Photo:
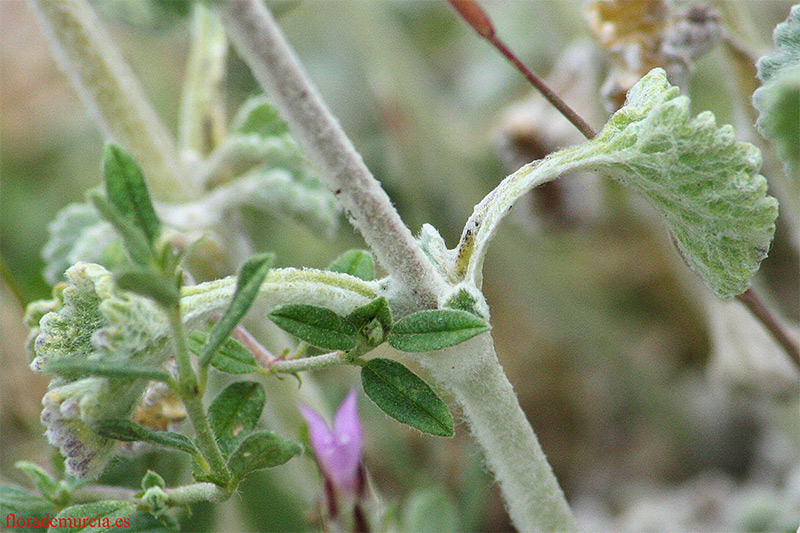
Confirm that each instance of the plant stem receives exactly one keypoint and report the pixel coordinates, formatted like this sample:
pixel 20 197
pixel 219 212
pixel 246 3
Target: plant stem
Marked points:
pixel 259 41
pixel 471 370
pixel 112 93
pixel 472 13
pixel 306 363
pixel 192 399
pixel 201 124
pixel 773 324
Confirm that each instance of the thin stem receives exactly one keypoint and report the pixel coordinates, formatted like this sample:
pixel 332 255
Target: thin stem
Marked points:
pixel 773 324
pixel 472 13
pixel 307 363
pixel 259 41
pixel 192 400
pixel 112 93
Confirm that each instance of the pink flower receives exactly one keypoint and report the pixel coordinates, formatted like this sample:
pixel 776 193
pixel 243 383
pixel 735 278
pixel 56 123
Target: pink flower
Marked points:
pixel 338 449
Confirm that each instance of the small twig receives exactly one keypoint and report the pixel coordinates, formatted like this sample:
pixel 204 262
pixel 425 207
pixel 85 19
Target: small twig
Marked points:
pixel 292 366
pixel 472 13
pixel 777 329
pixel 262 355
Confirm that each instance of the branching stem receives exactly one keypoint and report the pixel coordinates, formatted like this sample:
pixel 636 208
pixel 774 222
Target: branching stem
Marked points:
pixel 258 39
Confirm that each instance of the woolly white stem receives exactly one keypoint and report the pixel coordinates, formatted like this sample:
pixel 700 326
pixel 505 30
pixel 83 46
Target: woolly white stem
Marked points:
pixel 259 41
pixel 112 93
pixel 532 494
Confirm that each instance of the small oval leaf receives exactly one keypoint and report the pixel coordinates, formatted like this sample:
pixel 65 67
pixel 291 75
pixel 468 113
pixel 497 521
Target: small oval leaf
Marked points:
pixel 154 285
pixel 235 412
pixel 405 397
pixel 317 326
pixel 263 449
pixel 434 329
pixel 358 263
pixel 14 500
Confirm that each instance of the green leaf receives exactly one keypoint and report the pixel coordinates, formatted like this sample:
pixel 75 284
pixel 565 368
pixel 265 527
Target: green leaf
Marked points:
pixel 152 479
pixel 358 263
pixel 251 276
pixel 129 431
pixel 136 243
pixel 74 368
pixel 143 522
pixel 317 326
pixel 44 482
pixel 778 100
pixel 231 356
pixel 434 329
pixel 21 503
pixel 373 321
pixel 405 397
pixel 263 449
pixel 160 288
pixel 127 190
pixel 235 412
pixel 699 178
pixel 104 516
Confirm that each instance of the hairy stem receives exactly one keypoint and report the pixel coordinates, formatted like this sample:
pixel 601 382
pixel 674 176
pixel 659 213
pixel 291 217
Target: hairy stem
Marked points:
pixel 259 41
pixel 192 399
pixel 112 93
pixel 471 370
pixel 197 492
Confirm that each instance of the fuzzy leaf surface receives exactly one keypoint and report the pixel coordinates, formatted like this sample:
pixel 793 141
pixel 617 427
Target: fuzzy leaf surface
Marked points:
pixel 699 178
pixel 129 431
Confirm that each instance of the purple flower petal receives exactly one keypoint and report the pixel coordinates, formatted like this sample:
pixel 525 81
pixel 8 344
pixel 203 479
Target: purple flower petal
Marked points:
pixel 338 451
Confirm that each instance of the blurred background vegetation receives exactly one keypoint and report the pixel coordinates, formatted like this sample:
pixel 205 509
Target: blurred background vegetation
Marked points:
pixel 602 330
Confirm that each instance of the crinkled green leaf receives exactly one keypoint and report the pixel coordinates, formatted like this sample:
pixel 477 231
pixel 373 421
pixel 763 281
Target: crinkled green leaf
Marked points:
pixel 263 449
pixel 235 412
pixel 79 234
pixel 91 320
pixel 127 190
pixel 144 522
pixel 96 516
pixel 405 397
pixel 129 431
pixel 231 357
pixel 434 329
pixel 778 100
pixel 358 263
pixel 14 500
pixel 701 180
pixel 251 276
pixel 317 326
